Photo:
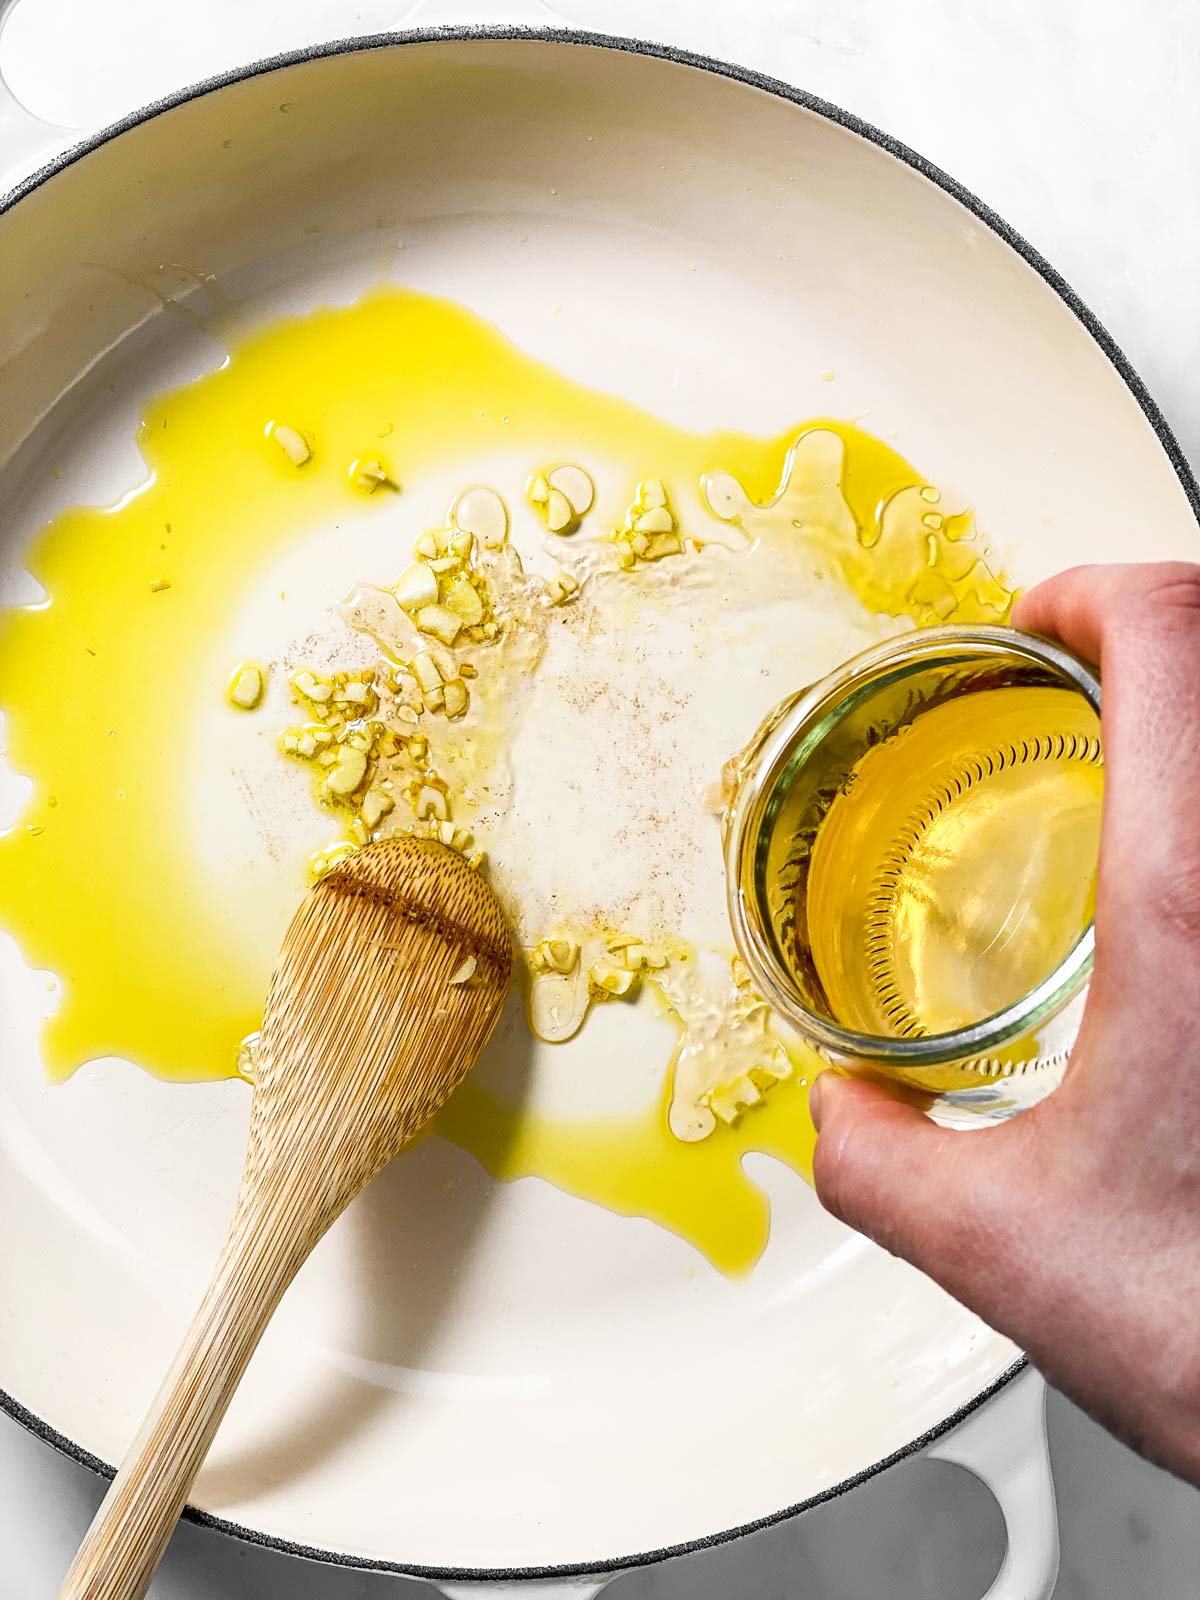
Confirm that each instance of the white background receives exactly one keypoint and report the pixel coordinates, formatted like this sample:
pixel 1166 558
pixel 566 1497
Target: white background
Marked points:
pixel 1079 121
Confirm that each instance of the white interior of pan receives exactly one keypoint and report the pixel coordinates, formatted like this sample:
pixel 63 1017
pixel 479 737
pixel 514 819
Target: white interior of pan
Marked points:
pixel 518 1379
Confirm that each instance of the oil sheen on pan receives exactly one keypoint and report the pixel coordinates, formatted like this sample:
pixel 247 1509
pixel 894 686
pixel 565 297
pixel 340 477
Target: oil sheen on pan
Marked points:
pixel 388 572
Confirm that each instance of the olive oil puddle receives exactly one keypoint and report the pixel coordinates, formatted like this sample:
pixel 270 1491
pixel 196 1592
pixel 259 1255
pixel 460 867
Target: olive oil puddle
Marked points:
pixel 108 688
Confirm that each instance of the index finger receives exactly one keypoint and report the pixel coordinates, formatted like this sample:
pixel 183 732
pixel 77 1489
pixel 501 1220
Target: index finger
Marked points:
pixel 1087 607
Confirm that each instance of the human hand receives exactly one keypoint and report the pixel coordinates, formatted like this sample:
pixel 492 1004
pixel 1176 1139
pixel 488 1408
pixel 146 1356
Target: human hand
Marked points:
pixel 1075 1227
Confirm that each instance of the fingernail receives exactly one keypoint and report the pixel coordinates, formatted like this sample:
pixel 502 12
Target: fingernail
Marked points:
pixel 815 1094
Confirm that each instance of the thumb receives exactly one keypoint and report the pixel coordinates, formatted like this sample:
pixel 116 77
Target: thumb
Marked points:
pixel 946 1200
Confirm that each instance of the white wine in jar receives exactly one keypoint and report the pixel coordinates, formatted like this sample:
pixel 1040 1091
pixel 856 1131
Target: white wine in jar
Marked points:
pixel 956 866
pixel 912 848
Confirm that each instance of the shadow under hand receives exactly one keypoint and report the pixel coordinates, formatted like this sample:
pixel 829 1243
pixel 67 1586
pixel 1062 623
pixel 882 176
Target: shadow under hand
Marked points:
pixel 413 1233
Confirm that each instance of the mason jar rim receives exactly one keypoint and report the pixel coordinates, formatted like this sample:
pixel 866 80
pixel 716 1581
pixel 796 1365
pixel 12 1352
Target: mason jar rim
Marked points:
pixel 950 645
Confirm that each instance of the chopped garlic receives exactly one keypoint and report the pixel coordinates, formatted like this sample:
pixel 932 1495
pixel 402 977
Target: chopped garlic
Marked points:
pixel 560 515
pixel 561 585
pixel 481 511
pixel 729 1100
pixel 246 686
pixel 425 671
pixel 650 530
pixel 348 772
pixel 157 585
pixel 416 586
pixel 664 544
pixel 374 767
pixel 368 475
pixel 607 978
pixel 375 806
pixel 432 802
pixel 575 483
pixel 456 697
pixel 462 598
pixel 311 687
pixel 640 957
pixel 562 954
pixel 443 624
pixel 325 860
pixel 657 520
pixel 293 443
pixel 556 955
pixel 466 971
pixel 562 495
pixel 247 1056
pixel 354 692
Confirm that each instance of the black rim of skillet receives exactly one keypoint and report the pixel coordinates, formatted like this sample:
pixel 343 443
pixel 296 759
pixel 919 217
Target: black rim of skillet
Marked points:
pixel 1053 279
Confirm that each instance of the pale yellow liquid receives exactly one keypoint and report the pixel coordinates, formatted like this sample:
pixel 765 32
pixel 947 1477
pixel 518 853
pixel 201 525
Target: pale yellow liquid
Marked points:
pixel 957 869
pixel 101 686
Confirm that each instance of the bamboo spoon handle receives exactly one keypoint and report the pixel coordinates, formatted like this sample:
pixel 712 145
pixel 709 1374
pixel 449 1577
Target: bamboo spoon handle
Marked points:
pixel 390 978
pixel 126 1541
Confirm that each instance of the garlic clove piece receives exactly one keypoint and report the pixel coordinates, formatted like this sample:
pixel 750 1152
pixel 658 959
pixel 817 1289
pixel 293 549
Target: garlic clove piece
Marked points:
pixel 481 511
pixel 292 442
pixel 576 484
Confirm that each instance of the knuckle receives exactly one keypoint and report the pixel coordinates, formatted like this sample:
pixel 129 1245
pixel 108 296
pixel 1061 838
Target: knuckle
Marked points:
pixel 1173 896
pixel 1167 591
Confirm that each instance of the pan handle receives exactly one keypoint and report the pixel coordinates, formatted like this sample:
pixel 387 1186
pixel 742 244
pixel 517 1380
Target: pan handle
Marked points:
pixel 448 13
pixel 25 140
pixel 1004 1444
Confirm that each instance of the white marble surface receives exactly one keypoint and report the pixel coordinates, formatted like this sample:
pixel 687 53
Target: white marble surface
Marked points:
pixel 1078 121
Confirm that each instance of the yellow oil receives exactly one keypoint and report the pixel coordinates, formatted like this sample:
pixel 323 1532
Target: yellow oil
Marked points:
pixel 101 688
pixel 957 867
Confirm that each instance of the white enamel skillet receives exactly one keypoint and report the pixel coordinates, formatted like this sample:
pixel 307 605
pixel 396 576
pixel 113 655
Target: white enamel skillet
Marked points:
pixel 598 1400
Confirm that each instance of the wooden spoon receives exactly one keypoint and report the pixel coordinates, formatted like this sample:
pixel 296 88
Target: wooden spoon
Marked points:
pixel 391 977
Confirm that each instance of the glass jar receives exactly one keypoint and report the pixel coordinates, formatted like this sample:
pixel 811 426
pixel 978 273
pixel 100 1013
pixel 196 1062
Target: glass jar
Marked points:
pixel 910 849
